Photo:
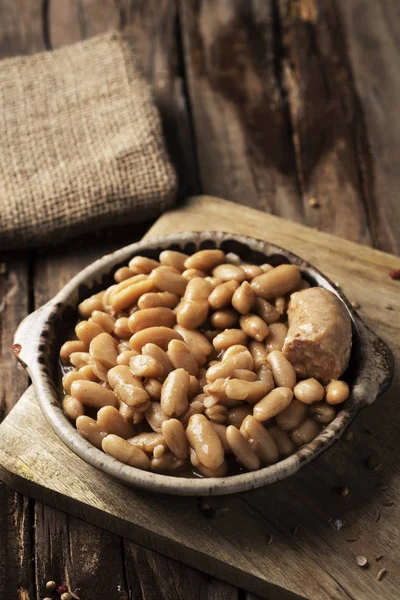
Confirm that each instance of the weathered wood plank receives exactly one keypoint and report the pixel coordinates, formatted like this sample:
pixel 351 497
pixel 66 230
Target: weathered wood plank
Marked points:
pixel 373 43
pixel 326 118
pixel 240 116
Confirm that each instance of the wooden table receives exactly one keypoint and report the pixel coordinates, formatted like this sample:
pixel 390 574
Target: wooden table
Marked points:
pixel 288 106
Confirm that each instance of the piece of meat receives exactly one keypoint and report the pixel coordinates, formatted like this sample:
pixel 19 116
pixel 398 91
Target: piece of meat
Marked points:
pixel 318 342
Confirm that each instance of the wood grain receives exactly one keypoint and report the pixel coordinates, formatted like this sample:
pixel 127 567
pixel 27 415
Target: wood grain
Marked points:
pixel 315 538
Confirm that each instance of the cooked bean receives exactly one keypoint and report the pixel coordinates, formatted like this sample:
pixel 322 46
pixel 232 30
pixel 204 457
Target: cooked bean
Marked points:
pixel 229 337
pixel 214 281
pixel 264 373
pixel 276 337
pixel 193 310
pixel 250 391
pixel 205 441
pixel 245 375
pixel 196 407
pixel 79 359
pixel 159 355
pixel 166 280
pixel 337 391
pixel 205 260
pixel 305 433
pixel 243 298
pixel 221 431
pixel 142 264
pixel 88 373
pixel 125 345
pixel 121 328
pixel 228 272
pixel 90 430
pixel 111 421
pixel 175 437
pixel 99 369
pixel 147 441
pixel 197 342
pixel 151 317
pixel 194 387
pixel 107 295
pixel 174 393
pixel 105 349
pixel 221 296
pixel 283 372
pixel 259 353
pixel 266 311
pixel 254 327
pixel 127 387
pixel 266 267
pixel 302 285
pixel 86 331
pixel 69 378
pixel 322 412
pixel 106 321
pixel 93 394
pixel 123 273
pixel 224 318
pixel 125 452
pixel 235 357
pixel 181 357
pixel 251 271
pixel 71 347
pixel 155 416
pixel 161 336
pixel 309 391
pixel 272 404
pixel 277 282
pixel 292 416
pixel 282 440
pixel 146 366
pixel 172 258
pixel 192 273
pixel 127 412
pixel 211 400
pixel 130 294
pixel 237 415
pixel 125 356
pixel 242 449
pixel 280 305
pixel 261 441
pixel 233 259
pixel 216 413
pixel 220 471
pixel 72 408
pixel 153 388
pixel 158 299
pixel 86 307
pixel 166 462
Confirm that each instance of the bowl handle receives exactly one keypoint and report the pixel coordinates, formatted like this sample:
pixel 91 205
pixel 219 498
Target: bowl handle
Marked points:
pixel 28 335
pixel 377 366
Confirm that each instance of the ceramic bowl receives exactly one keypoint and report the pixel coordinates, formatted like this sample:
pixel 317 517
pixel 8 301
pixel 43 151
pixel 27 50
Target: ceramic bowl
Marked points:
pixel 40 336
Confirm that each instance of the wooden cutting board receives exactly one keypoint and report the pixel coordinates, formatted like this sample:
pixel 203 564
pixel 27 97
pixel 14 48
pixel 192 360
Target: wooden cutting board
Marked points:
pixel 296 538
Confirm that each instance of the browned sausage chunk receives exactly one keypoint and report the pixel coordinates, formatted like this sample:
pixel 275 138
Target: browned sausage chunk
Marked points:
pixel 318 341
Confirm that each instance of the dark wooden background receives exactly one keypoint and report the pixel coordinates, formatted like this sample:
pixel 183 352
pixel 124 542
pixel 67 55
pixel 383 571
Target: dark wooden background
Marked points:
pixel 276 104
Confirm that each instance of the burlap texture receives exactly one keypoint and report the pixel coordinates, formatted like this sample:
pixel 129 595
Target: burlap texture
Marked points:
pixel 81 143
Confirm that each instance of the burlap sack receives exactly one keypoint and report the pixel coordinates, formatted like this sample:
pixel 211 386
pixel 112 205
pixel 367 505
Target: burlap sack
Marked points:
pixel 80 143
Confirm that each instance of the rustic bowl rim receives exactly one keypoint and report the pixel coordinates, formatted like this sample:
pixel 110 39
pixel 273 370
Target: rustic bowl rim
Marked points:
pixel 31 346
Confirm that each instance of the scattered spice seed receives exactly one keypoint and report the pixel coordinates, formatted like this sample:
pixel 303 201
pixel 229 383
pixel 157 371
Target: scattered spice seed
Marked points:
pixel 341 490
pixel 349 436
pixel 47 598
pixel 51 586
pixel 337 524
pixel 66 596
pixel 361 561
pixel 356 304
pixel 381 574
pixel 207 510
pixel 377 515
pixel 382 488
pixel 388 503
pixel 352 539
pixel 395 274
pixel 378 557
pixel 378 467
pixel 389 307
pixel 295 531
pixel 270 539
pixel 314 203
